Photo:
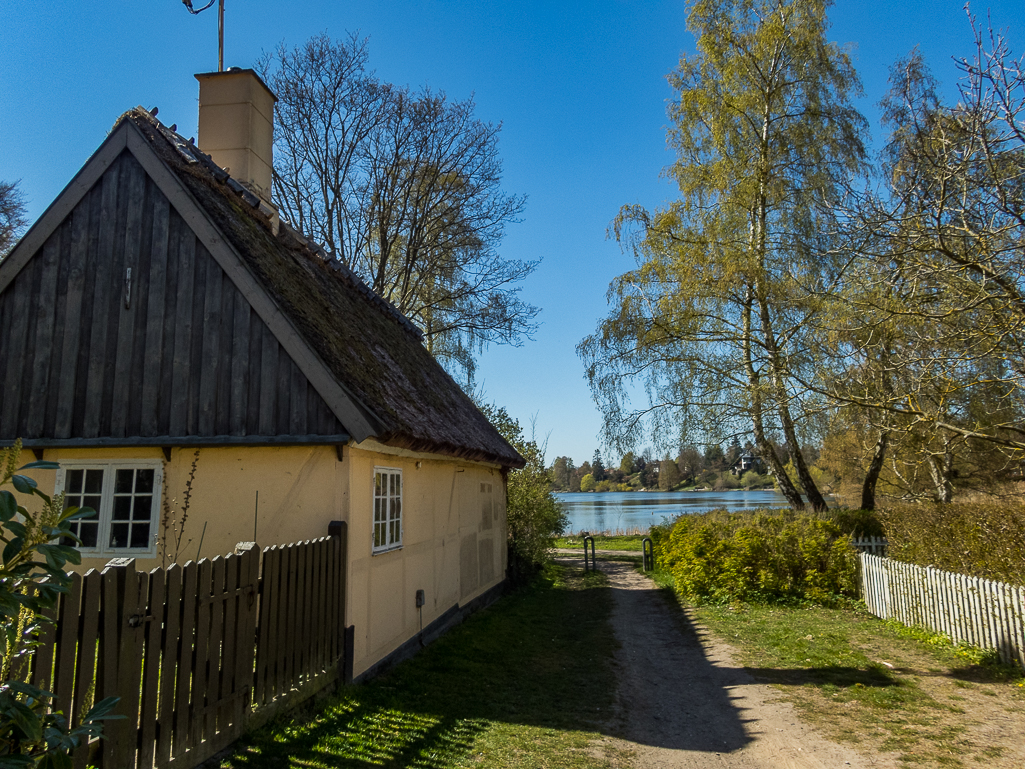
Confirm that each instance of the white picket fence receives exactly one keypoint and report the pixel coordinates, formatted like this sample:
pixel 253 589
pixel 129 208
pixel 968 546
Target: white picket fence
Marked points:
pixel 980 612
pixel 873 545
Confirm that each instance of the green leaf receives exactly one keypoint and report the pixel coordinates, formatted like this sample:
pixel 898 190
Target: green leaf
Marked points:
pixel 101 710
pixel 13 548
pixel 28 721
pixel 23 483
pixel 8 506
pixel 40 465
pixel 56 760
pixel 77 512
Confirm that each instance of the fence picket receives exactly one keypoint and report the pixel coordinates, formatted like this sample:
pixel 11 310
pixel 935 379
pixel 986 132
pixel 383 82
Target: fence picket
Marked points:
pixel 67 639
pixel 267 636
pixel 169 663
pixel 218 604
pixel 88 630
pixel 972 610
pixel 227 718
pixel 148 713
pixel 186 696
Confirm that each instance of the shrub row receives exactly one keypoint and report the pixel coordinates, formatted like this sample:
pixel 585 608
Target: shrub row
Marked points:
pixel 776 556
pixel 979 539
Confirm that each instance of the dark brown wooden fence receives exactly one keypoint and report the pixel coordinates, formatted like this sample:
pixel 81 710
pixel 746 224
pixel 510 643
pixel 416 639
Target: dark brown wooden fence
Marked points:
pixel 197 653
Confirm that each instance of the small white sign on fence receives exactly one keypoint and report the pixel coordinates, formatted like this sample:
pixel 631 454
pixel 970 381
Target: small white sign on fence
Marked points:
pixel 980 612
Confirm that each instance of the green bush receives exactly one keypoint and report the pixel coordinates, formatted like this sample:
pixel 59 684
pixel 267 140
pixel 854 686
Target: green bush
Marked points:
pixel 759 557
pixel 979 539
pixel 533 514
pixel 857 523
pixel 32 577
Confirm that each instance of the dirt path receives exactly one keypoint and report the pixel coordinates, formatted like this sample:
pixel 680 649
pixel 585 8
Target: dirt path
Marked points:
pixel 682 702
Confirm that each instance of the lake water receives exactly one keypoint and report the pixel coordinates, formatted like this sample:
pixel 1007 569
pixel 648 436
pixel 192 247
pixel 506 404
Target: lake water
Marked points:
pixel 610 511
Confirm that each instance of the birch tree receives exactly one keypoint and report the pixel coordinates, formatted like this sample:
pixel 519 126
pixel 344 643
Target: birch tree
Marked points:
pixel 712 321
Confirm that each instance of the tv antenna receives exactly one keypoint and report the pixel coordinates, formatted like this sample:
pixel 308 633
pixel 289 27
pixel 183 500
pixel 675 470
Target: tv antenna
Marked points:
pixel 220 26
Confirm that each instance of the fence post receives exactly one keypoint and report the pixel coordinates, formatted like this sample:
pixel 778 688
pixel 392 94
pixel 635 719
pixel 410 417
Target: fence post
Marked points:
pixel 346 635
pixel 245 651
pixel 121 657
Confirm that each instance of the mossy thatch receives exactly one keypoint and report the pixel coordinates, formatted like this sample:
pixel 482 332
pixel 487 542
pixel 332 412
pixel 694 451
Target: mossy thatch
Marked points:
pixel 374 353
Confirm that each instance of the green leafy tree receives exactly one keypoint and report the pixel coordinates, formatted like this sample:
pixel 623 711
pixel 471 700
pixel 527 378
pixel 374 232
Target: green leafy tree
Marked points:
pixel 534 516
pixel 32 577
pixel 626 465
pixel 930 318
pixel 668 475
pixel 717 312
pixel 562 473
pixel 588 483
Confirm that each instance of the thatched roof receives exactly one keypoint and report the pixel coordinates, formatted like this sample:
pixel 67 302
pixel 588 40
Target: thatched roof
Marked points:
pixel 376 355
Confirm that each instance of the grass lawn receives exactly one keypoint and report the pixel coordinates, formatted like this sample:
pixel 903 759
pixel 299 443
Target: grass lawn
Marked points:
pixel 524 683
pixel 866 681
pixel 603 542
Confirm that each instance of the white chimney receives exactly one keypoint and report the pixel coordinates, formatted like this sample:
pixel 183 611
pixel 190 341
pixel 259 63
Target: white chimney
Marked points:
pixel 236 126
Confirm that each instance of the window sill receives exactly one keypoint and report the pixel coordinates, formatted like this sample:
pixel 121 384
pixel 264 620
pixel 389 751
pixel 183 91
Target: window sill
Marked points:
pixel 385 550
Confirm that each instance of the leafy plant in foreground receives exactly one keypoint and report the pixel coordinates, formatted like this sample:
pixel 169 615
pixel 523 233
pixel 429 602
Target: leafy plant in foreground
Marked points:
pixel 32 577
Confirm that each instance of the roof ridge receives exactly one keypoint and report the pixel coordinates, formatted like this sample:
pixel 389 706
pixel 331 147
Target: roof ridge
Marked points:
pixel 193 155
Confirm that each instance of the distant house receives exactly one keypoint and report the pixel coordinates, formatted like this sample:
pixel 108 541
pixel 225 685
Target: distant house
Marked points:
pixel 747 461
pixel 159 306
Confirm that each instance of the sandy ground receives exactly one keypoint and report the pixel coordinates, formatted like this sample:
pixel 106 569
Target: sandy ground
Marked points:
pixel 682 702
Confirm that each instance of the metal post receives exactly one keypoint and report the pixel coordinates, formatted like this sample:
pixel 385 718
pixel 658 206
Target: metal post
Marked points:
pixel 594 563
pixel 647 554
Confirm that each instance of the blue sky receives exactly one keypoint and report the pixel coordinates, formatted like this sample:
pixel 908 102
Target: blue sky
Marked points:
pixel 579 88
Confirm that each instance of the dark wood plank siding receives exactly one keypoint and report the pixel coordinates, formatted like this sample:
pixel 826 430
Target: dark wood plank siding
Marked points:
pixel 184 356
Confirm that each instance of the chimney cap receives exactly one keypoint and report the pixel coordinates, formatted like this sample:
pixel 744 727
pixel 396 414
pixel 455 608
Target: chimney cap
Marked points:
pixel 235 72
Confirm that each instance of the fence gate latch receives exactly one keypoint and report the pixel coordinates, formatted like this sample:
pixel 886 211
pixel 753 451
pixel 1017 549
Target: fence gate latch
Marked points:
pixel 137 619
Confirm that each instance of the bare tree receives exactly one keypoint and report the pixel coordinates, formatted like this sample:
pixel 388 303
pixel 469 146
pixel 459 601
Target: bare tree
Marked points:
pixel 12 216
pixel 405 189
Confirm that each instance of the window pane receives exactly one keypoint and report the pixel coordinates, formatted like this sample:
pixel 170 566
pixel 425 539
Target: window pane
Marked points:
pixel 93 502
pixel 122 508
pixel 142 508
pixel 88 532
pixel 73 482
pixel 94 481
pixel 394 484
pixel 123 481
pixel 119 535
pixel 377 484
pixel 396 509
pixel 144 481
pixel 140 535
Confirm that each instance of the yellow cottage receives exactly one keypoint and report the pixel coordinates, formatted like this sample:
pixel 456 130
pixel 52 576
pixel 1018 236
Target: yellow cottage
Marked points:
pixel 159 307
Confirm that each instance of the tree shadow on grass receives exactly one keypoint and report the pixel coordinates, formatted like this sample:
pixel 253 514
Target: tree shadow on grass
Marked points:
pixel 545 662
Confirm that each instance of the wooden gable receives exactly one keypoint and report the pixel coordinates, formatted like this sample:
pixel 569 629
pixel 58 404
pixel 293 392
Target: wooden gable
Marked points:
pixel 118 326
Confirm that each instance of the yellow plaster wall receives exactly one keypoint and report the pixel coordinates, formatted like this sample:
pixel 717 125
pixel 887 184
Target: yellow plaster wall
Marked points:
pixel 301 490
pixel 452 530
pixel 442 523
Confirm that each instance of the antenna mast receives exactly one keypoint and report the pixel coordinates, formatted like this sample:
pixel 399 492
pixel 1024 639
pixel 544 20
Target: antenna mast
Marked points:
pixel 220 26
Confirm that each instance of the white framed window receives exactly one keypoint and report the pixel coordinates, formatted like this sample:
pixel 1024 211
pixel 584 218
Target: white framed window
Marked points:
pixel 387 509
pixel 126 497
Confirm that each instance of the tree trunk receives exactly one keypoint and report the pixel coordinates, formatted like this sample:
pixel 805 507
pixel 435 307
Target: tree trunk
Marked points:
pixel 765 449
pixel 868 488
pixel 941 467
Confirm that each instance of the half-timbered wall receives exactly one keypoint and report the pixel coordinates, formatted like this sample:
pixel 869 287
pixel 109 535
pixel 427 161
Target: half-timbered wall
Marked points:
pixel 123 326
